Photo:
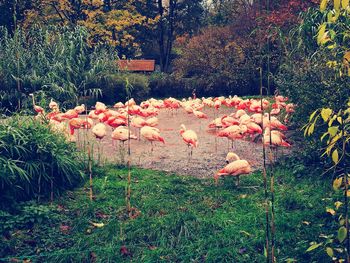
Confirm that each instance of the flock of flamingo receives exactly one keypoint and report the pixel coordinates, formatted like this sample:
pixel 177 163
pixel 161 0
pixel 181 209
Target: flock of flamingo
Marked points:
pixel 250 118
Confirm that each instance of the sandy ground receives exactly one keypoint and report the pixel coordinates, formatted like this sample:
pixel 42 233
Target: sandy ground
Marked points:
pixel 173 156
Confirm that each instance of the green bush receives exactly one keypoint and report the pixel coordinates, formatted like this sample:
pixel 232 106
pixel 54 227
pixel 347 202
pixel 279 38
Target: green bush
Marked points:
pixel 307 80
pixel 113 87
pixel 165 85
pixel 32 157
pixel 52 63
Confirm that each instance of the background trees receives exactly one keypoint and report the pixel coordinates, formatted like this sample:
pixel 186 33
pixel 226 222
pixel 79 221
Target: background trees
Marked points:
pixel 235 37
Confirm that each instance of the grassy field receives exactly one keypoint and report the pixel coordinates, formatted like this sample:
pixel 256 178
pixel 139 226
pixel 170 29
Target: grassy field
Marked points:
pixel 182 219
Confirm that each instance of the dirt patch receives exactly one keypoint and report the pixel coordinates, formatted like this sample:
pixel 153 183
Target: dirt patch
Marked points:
pixel 173 156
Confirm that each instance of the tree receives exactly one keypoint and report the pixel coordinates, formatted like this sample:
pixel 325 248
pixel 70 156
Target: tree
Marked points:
pixel 115 24
pixel 176 17
pixel 218 58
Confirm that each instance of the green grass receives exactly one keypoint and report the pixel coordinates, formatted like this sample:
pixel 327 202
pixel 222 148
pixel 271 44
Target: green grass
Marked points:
pixel 182 219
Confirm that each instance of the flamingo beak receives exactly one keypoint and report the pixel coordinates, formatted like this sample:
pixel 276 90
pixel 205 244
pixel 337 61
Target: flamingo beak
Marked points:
pixel 227 161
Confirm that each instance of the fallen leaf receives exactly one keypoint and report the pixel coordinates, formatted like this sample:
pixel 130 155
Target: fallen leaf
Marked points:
pixel 242 250
pixel 331 211
pixel 337 204
pixel 101 215
pixel 314 246
pixel 64 228
pixel 124 251
pixel 93 257
pixel 306 223
pixel 98 225
pixel 152 247
pixel 14 260
pixel 245 232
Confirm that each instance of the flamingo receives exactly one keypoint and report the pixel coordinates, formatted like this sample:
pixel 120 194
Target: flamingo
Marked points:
pixel 100 107
pixel 189 137
pixel 37 108
pixel 70 114
pixel 228 121
pixel 138 123
pixel 53 105
pixel 232 133
pixel 152 122
pixel 80 109
pixel 277 138
pixel 122 134
pixel 75 124
pixel 151 134
pixel 118 105
pixel 235 168
pixel 200 115
pixel 230 157
pixel 99 130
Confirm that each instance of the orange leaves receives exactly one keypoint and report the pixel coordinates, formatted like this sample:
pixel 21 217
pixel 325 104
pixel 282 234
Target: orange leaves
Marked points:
pixel 117 25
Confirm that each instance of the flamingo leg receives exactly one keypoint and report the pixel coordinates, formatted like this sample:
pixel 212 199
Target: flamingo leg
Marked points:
pixel 151 146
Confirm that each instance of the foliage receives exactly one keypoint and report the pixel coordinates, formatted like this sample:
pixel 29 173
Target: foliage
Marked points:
pixel 25 215
pixel 182 219
pixel 304 75
pixel 113 87
pixel 332 36
pixel 53 63
pixel 218 58
pixel 34 160
pixel 164 85
pixel 338 150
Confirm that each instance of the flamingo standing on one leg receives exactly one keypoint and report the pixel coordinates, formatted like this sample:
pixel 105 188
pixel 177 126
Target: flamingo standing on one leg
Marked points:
pixel 122 134
pixel 190 138
pixel 100 131
pixel 138 123
pixel 151 134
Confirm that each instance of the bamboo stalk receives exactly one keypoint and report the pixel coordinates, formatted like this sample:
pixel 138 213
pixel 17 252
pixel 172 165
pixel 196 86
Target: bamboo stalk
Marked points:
pixel 51 183
pixel 128 193
pixel 90 172
pixel 267 221
pixel 346 199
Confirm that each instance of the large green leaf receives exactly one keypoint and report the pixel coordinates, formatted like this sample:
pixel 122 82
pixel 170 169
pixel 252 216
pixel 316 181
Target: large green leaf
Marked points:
pixel 342 234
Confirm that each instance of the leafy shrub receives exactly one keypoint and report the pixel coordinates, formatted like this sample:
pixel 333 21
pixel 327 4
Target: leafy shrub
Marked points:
pixel 164 85
pixel 218 61
pixel 32 157
pixel 308 81
pixel 113 87
pixel 306 75
pixel 25 214
pixel 52 63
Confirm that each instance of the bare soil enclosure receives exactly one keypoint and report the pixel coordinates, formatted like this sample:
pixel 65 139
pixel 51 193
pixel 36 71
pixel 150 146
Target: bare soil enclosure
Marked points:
pixel 173 156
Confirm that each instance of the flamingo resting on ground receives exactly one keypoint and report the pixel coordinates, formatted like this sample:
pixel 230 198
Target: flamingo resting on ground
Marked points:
pixel 235 168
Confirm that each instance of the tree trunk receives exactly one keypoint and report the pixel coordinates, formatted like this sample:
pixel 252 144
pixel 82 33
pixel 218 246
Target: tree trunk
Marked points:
pixel 169 46
pixel 161 35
